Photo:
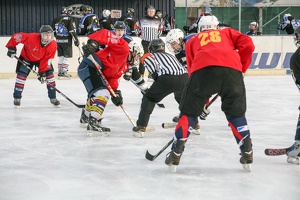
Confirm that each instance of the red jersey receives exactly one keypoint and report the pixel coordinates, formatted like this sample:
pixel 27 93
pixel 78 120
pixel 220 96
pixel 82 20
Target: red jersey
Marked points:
pixel 225 47
pixel 113 56
pixel 33 50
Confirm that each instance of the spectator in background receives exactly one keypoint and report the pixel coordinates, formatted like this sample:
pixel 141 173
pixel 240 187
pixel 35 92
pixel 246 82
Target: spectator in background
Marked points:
pixel 106 22
pixel 253 29
pixel 89 23
pixel 165 23
pixel 289 24
pixel 207 11
pixel 129 21
pixel 64 31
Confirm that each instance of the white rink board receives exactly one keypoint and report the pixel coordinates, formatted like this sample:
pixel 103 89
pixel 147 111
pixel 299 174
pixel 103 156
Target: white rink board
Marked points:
pixel 271 52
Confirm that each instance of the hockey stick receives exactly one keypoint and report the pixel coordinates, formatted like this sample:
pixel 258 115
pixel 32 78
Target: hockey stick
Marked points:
pixel 161 105
pixel 109 87
pixel 278 152
pixel 77 105
pixel 173 124
pixel 152 157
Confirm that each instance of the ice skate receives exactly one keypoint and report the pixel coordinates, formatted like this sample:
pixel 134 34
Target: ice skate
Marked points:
pixel 83 119
pixel 17 102
pixel 294 154
pixel 55 102
pixel 246 154
pixel 94 126
pixel 196 130
pixel 63 74
pixel 173 157
pixel 139 131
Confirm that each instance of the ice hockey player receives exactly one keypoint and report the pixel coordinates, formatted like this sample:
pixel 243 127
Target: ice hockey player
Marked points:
pixel 209 76
pixel 64 32
pixel 89 23
pixel 106 22
pixel 113 62
pixel 129 21
pixel 207 11
pixel 294 154
pixel 135 54
pixel 169 78
pixel 289 24
pixel 38 51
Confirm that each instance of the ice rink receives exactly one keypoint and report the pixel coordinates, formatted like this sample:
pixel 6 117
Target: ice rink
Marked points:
pixel 46 155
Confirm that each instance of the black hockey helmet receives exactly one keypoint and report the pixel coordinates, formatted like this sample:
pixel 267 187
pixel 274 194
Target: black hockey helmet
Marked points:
pixel 85 8
pixel 64 10
pixel 157 45
pixel 45 32
pixel 119 25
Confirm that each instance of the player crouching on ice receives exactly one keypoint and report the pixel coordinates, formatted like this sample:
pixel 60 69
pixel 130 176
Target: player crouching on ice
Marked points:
pixel 210 75
pixel 38 51
pixel 294 154
pixel 113 62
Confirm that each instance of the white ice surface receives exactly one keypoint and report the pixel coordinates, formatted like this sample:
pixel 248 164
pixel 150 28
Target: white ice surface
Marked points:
pixel 46 155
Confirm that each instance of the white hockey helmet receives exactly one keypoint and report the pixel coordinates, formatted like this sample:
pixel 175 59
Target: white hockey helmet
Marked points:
pixel 106 13
pixel 207 23
pixel 136 52
pixel 134 46
pixel 172 40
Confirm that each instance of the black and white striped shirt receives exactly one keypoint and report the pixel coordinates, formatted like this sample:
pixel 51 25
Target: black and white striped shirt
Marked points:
pixel 149 28
pixel 162 64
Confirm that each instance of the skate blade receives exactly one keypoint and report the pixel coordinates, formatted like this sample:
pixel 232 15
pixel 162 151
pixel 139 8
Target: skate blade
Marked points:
pixel 293 160
pixel 172 168
pixel 247 167
pixel 138 134
pixel 91 133
pixel 58 106
pixel 16 107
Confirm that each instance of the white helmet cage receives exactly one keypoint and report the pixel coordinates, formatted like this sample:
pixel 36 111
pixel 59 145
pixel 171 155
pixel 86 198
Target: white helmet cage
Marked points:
pixel 136 50
pixel 173 36
pixel 207 23
pixel 106 13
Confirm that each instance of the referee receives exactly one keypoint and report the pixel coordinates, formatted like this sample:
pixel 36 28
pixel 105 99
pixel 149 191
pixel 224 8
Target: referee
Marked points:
pixel 148 28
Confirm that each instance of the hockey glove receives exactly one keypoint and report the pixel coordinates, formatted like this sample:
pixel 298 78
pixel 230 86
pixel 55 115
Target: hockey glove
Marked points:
pixel 12 52
pixel 42 77
pixel 127 75
pixel 118 100
pixel 91 47
pixel 204 113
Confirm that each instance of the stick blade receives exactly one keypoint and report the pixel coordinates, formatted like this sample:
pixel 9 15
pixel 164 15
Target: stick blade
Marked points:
pixel 149 156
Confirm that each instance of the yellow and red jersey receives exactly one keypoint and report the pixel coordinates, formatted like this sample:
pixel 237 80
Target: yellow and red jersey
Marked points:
pixel 225 47
pixel 32 50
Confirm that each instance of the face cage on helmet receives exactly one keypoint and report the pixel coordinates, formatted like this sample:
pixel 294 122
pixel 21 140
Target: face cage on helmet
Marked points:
pixel 169 46
pixel 44 41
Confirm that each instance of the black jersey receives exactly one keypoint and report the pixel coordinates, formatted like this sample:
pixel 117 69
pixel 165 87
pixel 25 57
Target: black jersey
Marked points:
pixel 88 24
pixel 64 29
